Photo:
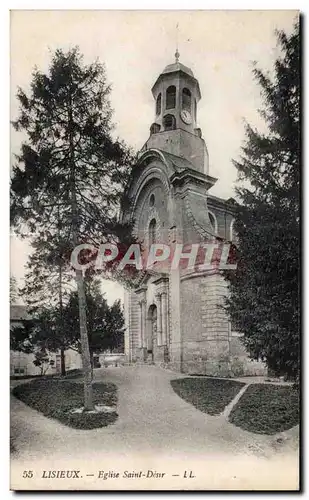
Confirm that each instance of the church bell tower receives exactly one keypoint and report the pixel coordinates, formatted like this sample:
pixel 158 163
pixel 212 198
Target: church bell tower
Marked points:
pixel 176 94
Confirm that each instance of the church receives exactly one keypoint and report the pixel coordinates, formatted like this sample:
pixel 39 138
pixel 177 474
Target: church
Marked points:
pixel 174 317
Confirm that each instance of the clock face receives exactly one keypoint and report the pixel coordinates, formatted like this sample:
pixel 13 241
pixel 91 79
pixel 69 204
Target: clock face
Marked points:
pixel 186 116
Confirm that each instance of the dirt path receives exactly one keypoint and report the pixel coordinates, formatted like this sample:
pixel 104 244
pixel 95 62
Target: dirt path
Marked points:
pixel 153 421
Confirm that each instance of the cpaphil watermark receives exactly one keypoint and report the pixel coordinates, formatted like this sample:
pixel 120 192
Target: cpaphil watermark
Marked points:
pixel 159 256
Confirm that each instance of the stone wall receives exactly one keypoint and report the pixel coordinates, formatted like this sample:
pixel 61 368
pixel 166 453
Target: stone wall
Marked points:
pixel 183 144
pixel 174 323
pixel 207 345
pixel 241 364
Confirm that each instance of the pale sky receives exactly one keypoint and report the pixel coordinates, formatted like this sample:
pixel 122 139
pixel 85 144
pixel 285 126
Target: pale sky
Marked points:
pixel 219 47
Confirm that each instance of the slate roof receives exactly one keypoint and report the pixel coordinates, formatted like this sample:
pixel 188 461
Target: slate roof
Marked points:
pixel 177 66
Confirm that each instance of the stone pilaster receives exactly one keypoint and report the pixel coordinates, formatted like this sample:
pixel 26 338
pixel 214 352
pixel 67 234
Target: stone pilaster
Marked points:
pixel 164 318
pixel 141 319
pixel 142 323
pixel 159 319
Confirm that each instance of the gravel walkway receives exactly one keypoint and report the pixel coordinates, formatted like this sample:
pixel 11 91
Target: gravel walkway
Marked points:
pixel 153 421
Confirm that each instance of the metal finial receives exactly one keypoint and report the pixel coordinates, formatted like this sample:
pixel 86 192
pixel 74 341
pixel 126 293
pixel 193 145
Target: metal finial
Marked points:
pixel 177 55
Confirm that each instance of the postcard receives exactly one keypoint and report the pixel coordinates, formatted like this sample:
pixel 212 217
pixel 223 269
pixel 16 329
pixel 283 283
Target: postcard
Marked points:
pixel 154 281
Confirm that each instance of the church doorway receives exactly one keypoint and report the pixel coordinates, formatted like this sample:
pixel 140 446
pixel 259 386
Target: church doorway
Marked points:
pixel 151 331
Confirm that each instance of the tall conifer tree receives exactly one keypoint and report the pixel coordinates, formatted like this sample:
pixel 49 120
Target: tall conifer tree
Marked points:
pixel 264 291
pixel 70 170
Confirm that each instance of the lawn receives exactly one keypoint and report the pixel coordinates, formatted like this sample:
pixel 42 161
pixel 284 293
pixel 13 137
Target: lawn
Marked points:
pixel 267 409
pixel 55 399
pixel 69 374
pixel 209 395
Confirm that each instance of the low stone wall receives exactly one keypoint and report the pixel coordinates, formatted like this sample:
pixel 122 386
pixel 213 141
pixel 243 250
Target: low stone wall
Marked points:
pixel 241 364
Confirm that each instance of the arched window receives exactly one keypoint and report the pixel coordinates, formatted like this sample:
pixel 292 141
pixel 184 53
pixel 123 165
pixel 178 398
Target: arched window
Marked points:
pixel 158 104
pixel 152 231
pixel 152 200
pixel 194 110
pixel 155 128
pixel 171 97
pixel 169 122
pixel 213 221
pixel 186 99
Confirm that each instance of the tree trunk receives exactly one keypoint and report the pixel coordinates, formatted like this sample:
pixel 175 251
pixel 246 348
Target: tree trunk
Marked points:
pixel 84 342
pixel 62 355
pixel 62 362
pixel 91 360
pixel 85 353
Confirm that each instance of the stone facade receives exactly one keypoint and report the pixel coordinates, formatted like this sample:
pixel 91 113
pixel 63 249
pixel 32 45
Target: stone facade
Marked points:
pixel 175 316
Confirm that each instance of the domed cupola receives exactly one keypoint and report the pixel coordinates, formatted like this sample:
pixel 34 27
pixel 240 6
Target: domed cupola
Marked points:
pixel 176 93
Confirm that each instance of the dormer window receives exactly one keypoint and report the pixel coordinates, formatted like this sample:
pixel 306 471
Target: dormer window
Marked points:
pixel 171 97
pixel 186 99
pixel 169 122
pixel 158 104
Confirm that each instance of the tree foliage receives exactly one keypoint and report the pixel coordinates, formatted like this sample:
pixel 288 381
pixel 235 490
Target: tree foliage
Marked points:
pixel 264 291
pixel 68 111
pixel 48 282
pixel 20 337
pixel 105 323
pixel 42 360
pixel 13 290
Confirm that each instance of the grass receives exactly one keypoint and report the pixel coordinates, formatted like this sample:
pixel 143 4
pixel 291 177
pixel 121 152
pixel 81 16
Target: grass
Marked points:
pixel 208 395
pixel 267 409
pixel 55 399
pixel 75 373
pixel 69 374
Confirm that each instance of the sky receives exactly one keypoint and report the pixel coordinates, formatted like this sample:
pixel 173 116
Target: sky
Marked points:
pixel 219 46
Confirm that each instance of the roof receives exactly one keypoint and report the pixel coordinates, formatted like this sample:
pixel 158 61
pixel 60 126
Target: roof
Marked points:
pixel 177 66
pixel 174 68
pixel 18 313
pixel 178 162
pixel 228 205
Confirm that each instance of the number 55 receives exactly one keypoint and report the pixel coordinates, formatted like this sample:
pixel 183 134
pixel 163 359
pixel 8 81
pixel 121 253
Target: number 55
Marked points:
pixel 27 474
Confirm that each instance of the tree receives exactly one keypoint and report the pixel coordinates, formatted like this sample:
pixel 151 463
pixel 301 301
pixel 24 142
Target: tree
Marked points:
pixel 43 361
pixel 264 291
pixel 21 337
pixel 105 324
pixel 70 170
pixel 48 282
pixel 49 334
pixel 13 290
pixel 115 327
